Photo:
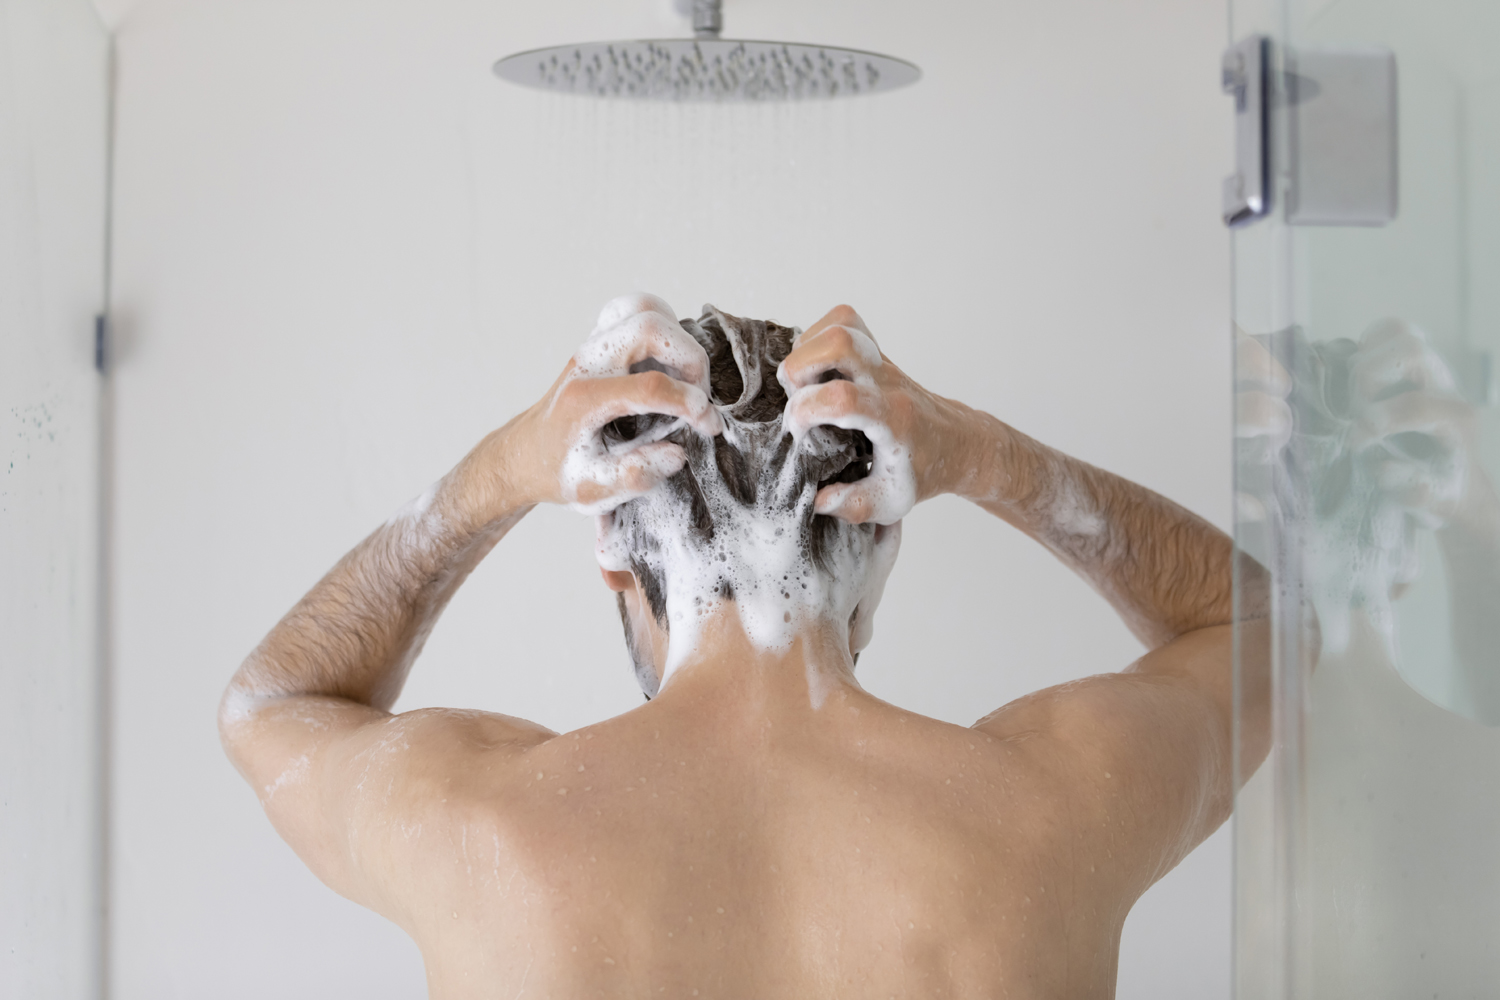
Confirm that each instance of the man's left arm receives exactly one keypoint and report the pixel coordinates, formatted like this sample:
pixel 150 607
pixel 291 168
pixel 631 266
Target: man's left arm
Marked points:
pixel 1152 740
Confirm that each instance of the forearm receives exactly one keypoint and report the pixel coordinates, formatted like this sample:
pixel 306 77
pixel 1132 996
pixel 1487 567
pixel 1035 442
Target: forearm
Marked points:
pixel 356 634
pixel 1165 570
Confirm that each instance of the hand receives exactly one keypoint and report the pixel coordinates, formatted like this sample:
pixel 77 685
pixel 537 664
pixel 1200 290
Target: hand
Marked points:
pixel 1413 427
pixel 836 376
pixel 638 361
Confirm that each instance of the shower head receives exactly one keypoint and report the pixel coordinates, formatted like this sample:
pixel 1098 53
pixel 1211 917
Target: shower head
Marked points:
pixel 706 68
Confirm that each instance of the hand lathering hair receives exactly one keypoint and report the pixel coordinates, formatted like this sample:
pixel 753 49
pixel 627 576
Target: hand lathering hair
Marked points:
pixel 753 468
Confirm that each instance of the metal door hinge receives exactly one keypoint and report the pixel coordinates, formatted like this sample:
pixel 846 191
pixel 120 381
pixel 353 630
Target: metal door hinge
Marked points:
pixel 1341 106
pixel 1247 194
pixel 101 344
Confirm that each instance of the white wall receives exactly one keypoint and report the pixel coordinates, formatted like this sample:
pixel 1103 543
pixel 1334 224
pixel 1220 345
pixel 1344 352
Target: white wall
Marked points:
pixel 344 252
pixel 54 103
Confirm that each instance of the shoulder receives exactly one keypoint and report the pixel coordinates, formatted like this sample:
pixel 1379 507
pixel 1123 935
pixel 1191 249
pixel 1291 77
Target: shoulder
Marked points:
pixel 432 761
pixel 358 793
pixel 1139 762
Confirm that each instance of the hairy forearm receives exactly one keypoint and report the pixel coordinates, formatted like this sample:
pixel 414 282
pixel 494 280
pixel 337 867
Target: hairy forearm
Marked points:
pixel 1165 570
pixel 358 631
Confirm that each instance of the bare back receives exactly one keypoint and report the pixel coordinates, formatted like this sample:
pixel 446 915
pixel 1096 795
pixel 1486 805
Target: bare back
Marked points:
pixel 859 850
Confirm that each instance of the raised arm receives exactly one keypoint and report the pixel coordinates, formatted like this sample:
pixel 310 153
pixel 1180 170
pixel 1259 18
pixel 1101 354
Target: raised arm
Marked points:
pixel 306 718
pixel 1150 745
pixel 1165 570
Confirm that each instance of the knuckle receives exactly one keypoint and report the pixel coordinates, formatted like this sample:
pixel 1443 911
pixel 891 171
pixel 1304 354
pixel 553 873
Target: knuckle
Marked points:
pixel 841 395
pixel 839 339
pixel 574 391
pixel 657 384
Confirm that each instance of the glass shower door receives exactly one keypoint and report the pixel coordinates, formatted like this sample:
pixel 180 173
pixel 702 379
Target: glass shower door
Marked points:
pixel 1367 319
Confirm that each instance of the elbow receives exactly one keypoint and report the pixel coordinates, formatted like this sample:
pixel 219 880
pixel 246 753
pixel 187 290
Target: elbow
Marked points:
pixel 236 720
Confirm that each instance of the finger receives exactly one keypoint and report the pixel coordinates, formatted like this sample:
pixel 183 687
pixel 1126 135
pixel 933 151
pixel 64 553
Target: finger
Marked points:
pixel 840 315
pixel 1255 367
pixel 1441 417
pixel 606 399
pixel 1396 359
pixel 848 351
pixel 845 502
pixel 1248 507
pixel 642 469
pixel 883 497
pixel 1420 490
pixel 835 404
pixel 618 310
pixel 1391 330
pixel 1261 414
pixel 607 483
pixel 640 339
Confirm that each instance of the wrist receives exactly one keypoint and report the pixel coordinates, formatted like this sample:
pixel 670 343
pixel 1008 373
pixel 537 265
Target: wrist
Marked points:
pixel 487 487
pixel 982 466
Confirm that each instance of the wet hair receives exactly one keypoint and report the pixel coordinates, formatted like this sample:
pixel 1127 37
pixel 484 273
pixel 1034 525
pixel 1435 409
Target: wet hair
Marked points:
pixel 754 461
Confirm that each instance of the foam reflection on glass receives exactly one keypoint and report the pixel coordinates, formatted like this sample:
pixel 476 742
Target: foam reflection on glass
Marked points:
pixel 1367 445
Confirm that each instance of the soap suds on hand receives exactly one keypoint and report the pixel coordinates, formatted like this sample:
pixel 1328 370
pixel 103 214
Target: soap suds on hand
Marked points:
pixel 751 537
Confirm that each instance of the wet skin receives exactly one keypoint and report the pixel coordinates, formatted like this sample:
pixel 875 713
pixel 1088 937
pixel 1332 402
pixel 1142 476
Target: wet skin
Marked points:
pixel 730 839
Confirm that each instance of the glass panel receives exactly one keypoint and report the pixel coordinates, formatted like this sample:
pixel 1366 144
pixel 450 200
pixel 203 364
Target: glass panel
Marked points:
pixel 1369 442
pixel 54 59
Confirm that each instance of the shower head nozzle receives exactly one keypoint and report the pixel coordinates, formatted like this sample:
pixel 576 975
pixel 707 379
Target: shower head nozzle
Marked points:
pixel 706 68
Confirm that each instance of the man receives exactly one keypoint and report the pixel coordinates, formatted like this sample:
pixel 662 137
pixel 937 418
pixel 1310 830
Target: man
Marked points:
pixel 762 827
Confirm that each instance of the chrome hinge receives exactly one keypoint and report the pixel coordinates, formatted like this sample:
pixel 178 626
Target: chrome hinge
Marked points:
pixel 101 344
pixel 1247 194
pixel 1342 129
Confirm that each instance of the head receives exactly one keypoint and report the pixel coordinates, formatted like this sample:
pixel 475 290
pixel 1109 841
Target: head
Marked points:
pixel 1361 553
pixel 736 524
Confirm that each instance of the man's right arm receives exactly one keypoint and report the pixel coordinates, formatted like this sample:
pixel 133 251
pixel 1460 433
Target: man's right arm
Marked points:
pixel 307 719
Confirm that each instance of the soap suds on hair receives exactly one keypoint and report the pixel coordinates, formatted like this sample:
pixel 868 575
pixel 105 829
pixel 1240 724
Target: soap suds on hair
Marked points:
pixel 737 523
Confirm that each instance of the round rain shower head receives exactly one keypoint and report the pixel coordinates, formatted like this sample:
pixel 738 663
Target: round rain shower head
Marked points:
pixel 706 68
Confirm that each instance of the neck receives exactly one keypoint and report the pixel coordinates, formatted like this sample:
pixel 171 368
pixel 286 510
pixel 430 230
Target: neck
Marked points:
pixel 721 661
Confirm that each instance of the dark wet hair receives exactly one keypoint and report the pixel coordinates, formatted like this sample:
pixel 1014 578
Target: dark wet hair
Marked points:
pixel 743 356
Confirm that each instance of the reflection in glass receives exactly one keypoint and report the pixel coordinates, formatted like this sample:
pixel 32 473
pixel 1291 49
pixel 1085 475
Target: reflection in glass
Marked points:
pixel 1366 859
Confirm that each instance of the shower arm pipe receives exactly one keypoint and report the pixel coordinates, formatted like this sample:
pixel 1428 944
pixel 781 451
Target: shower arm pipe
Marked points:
pixel 708 18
